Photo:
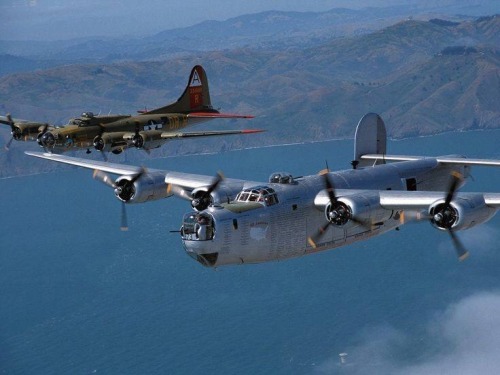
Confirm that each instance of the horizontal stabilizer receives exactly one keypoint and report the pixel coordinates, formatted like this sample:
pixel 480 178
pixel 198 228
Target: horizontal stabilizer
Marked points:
pixel 440 159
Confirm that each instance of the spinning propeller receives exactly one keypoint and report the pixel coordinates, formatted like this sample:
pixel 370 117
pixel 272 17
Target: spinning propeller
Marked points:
pixel 138 140
pixel 16 134
pixel 337 212
pixel 124 191
pixel 99 142
pixel 444 216
pixel 45 137
pixel 202 198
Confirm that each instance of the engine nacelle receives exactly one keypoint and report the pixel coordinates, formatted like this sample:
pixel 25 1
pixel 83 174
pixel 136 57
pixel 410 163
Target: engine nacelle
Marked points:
pixel 47 139
pixel 464 212
pixel 149 187
pixel 359 206
pixel 365 207
pixel 110 142
pixel 145 139
pixel 17 133
pixel 28 130
pixel 223 194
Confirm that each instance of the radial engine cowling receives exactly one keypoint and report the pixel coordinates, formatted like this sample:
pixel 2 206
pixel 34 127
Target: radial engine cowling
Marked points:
pixel 145 139
pixel 109 142
pixel 358 206
pixel 201 200
pixel 28 130
pixel 149 187
pixel 464 212
pixel 365 207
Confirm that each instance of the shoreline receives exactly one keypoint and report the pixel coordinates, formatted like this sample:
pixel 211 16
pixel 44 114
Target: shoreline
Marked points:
pixel 336 139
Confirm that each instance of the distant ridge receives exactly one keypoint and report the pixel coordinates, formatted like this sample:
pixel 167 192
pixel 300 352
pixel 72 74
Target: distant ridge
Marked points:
pixel 423 77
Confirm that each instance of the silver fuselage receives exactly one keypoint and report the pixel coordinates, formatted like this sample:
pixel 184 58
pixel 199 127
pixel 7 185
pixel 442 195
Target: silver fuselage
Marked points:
pixel 252 232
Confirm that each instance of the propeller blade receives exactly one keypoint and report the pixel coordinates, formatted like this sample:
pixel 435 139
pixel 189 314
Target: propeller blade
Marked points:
pixel 456 178
pixel 364 223
pixel 329 188
pixel 217 180
pixel 138 175
pixel 104 178
pixel 124 225
pixel 316 236
pixel 462 252
pixel 10 121
pixel 11 124
pixel 7 146
pixel 339 213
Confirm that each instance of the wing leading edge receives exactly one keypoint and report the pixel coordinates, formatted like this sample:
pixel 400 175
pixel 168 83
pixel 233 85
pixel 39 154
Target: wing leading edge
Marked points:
pixel 405 200
pixel 420 200
pixel 113 168
pixel 187 181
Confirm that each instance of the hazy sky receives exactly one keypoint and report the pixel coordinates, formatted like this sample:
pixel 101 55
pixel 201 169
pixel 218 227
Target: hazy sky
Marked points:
pixel 64 19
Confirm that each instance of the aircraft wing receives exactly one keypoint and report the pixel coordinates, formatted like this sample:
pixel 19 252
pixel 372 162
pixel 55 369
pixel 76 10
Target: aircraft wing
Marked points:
pixel 441 159
pixel 85 163
pixel 210 115
pixel 169 135
pixel 419 200
pixel 185 182
pixel 405 200
pixel 5 120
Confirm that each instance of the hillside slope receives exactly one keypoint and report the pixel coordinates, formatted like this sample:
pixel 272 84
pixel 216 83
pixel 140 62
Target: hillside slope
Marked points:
pixel 423 77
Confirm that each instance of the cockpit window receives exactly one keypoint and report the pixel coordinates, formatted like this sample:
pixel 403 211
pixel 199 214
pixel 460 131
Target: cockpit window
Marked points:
pixel 261 194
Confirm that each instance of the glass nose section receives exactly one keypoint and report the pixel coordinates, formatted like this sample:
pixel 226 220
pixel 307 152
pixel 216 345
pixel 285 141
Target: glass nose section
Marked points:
pixel 197 226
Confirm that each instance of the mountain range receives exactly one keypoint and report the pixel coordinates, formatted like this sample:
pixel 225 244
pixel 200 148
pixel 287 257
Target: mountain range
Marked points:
pixel 271 29
pixel 422 76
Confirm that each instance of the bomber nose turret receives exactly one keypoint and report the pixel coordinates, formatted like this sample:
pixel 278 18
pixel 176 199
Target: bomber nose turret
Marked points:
pixel 197 232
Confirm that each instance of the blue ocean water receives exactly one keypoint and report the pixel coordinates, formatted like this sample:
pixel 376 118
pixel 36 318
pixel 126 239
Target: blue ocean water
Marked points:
pixel 78 296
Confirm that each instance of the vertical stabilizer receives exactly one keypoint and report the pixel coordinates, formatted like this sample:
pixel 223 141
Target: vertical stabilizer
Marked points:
pixel 195 98
pixel 370 138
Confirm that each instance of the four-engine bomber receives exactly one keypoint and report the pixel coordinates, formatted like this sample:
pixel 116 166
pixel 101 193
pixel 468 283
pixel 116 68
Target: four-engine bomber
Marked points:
pixel 238 221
